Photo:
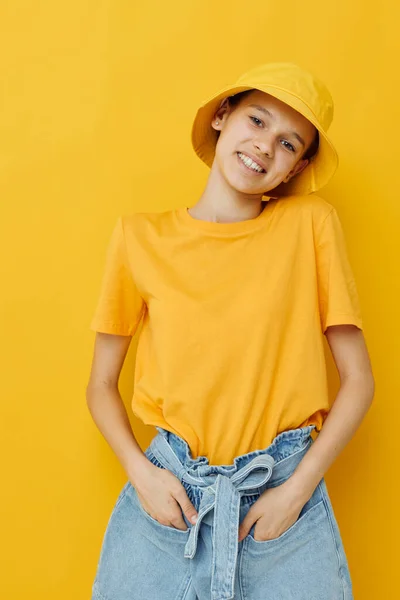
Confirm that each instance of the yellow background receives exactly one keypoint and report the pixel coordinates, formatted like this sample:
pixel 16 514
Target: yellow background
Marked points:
pixel 97 101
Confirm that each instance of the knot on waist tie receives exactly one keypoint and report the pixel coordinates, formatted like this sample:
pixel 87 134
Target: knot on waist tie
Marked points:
pixel 223 495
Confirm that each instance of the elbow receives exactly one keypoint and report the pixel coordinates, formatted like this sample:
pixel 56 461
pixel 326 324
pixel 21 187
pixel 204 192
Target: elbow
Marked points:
pixel 372 386
pixel 99 389
pixel 363 380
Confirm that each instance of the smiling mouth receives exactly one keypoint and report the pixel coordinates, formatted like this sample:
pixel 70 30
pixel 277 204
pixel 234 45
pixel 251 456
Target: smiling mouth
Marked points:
pixel 249 168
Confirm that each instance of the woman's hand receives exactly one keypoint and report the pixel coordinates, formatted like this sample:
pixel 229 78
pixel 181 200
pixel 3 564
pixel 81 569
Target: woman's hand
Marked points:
pixel 274 512
pixel 162 496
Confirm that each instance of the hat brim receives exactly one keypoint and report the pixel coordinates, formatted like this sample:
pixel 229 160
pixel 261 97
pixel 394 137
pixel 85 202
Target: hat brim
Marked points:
pixel 316 174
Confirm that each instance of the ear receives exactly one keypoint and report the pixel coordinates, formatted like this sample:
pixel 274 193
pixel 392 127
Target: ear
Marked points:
pixel 221 114
pixel 298 168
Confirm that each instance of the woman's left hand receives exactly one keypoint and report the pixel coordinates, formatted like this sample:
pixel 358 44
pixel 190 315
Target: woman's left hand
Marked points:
pixel 274 511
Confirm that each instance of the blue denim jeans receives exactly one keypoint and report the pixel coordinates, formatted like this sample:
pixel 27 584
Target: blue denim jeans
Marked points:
pixel 141 559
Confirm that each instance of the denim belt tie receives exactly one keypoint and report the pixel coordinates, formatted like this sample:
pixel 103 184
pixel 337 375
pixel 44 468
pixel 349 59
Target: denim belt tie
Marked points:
pixel 221 493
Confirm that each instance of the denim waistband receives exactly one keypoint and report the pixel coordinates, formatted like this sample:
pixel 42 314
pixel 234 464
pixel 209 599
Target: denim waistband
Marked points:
pixel 223 486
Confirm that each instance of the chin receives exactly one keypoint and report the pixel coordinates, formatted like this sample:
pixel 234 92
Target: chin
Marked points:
pixel 239 185
pixel 249 191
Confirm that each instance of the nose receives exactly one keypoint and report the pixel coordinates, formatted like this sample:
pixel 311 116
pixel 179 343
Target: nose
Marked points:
pixel 265 145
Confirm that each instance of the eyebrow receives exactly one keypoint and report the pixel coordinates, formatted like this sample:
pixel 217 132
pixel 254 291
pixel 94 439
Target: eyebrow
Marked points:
pixel 269 114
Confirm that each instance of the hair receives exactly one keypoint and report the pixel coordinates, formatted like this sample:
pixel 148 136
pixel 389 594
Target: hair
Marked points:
pixel 235 100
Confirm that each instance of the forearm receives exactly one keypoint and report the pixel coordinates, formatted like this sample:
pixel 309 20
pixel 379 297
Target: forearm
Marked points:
pixel 349 408
pixel 108 411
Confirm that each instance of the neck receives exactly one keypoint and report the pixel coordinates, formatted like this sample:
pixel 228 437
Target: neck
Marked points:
pixel 220 203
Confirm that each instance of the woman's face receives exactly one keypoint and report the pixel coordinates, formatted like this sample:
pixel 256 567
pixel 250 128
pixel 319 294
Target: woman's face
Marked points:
pixel 275 135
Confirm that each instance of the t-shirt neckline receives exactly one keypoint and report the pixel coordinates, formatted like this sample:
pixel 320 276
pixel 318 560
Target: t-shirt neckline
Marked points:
pixel 235 227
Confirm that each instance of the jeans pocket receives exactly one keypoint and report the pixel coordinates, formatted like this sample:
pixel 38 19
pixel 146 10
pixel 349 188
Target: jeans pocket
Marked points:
pixel 313 510
pixel 305 552
pixel 303 522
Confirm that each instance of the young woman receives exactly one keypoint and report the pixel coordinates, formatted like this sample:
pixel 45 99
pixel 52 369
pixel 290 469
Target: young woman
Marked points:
pixel 234 294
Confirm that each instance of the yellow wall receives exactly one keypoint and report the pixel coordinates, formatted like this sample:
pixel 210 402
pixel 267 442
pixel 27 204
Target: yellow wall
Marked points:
pixel 97 104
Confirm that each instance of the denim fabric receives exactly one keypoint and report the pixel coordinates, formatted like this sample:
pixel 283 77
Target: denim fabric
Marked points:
pixel 141 559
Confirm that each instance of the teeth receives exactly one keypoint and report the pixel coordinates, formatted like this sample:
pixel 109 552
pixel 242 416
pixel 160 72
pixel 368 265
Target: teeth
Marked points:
pixel 250 163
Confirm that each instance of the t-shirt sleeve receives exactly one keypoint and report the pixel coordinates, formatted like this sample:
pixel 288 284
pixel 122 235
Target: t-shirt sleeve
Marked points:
pixel 337 290
pixel 119 306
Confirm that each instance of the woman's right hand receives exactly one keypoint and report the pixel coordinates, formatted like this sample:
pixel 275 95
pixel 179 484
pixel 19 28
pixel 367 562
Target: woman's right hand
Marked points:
pixel 162 496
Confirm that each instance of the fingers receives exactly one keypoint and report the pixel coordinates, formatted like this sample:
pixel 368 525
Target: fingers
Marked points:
pixel 171 518
pixel 169 510
pixel 174 517
pixel 187 507
pixel 177 520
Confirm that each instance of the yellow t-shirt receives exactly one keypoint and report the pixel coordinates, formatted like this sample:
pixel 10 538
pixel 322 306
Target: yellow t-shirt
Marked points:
pixel 231 349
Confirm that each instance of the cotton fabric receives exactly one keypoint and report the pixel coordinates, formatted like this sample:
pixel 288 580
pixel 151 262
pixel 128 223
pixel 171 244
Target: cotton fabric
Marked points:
pixel 233 315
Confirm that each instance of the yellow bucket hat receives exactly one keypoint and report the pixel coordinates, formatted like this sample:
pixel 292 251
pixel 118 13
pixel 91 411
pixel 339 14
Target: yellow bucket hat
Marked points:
pixel 298 88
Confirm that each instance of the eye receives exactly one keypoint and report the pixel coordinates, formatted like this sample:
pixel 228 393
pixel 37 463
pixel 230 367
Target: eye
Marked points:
pixel 255 119
pixel 292 148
